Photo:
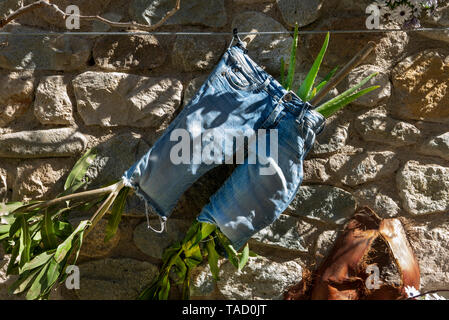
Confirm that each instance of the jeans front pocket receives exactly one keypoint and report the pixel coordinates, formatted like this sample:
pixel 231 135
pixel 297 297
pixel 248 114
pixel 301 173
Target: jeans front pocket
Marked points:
pixel 237 78
pixel 241 80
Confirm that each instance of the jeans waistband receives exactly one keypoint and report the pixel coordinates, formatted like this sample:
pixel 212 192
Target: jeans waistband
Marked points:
pixel 291 102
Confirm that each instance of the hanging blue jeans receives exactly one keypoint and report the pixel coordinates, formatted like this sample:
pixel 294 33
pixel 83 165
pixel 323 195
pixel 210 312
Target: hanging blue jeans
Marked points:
pixel 239 99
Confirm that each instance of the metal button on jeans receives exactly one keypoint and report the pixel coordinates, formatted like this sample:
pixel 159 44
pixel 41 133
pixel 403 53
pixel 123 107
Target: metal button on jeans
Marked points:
pixel 288 97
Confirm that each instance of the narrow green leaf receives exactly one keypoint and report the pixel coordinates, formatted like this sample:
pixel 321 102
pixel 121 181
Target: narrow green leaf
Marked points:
pixel 193 257
pixel 48 231
pixel 116 213
pixel 4 236
pixel 171 251
pixel 330 109
pixel 22 210
pixel 89 205
pixel 24 281
pixel 35 290
pixel 44 280
pixel 150 293
pixel 65 247
pixel 253 254
pixel 192 232
pixel 198 232
pixel 8 219
pixel 180 270
pixel 206 230
pixel 186 286
pixel 244 257
pixel 165 288
pixel 78 245
pixel 291 67
pixel 311 95
pixel 212 258
pixel 4 228
pixel 13 266
pixel 63 229
pixel 283 72
pixel 230 251
pixel 324 82
pixel 38 261
pixel 350 91
pixel 307 85
pixel 15 227
pixel 9 207
pixel 80 168
pixel 330 106
pixel 25 243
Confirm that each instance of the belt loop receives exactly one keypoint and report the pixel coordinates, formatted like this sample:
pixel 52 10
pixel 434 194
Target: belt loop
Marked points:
pixel 304 109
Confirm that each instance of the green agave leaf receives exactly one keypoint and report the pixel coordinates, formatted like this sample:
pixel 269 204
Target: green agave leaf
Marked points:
pixel 244 257
pixel 332 108
pixel 116 213
pixel 212 258
pixel 283 72
pixel 291 67
pixel 67 245
pixel 323 83
pixel 38 261
pixel 306 87
pixel 79 170
pixel 328 107
pixel 48 231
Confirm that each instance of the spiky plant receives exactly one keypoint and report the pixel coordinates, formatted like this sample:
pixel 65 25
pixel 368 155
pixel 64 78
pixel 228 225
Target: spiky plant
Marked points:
pixel 307 90
pixel 43 243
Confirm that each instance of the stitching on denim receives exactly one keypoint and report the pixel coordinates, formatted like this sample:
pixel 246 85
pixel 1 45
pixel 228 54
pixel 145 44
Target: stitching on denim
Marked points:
pixel 278 119
pixel 275 109
pixel 251 87
pixel 236 60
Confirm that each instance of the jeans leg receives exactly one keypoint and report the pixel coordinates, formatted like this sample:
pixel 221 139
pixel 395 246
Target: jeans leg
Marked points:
pixel 251 199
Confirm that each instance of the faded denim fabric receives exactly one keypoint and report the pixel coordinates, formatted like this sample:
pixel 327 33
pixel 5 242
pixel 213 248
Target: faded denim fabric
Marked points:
pixel 238 98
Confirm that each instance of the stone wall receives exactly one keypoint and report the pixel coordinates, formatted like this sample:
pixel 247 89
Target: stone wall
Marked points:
pixel 389 150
